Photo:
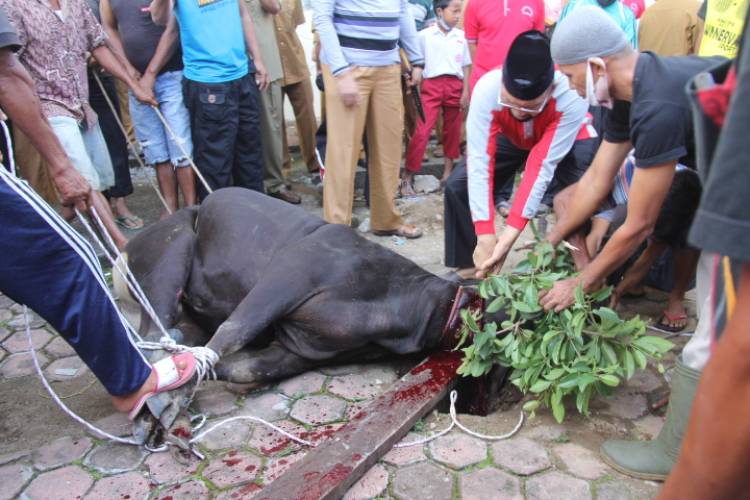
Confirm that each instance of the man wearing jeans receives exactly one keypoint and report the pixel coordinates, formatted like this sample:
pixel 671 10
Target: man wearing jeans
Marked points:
pixel 133 33
pixel 220 87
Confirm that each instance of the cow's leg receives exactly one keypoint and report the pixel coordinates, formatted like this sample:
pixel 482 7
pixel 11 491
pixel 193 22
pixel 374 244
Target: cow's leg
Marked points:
pixel 270 299
pixel 262 366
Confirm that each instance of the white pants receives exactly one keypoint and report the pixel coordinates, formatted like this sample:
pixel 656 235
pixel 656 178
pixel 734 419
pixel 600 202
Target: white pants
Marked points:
pixel 695 354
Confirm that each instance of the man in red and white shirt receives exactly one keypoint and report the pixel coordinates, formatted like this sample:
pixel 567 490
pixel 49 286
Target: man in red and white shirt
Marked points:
pixel 492 25
pixel 523 115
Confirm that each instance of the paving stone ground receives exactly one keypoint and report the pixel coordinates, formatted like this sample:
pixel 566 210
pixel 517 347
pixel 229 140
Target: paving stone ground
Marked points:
pixel 545 460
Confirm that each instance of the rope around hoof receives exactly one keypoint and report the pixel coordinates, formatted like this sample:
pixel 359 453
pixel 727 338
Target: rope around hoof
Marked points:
pixel 456 423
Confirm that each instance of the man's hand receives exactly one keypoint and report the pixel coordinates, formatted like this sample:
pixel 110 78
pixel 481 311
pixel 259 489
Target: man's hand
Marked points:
pixel 261 75
pixel 560 296
pixel 147 81
pixel 73 189
pixel 415 78
pixel 143 94
pixel 485 247
pixel 495 262
pixel 464 102
pixel 348 89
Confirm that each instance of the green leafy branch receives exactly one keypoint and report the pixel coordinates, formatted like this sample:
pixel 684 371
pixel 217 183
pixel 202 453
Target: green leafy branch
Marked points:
pixel 586 349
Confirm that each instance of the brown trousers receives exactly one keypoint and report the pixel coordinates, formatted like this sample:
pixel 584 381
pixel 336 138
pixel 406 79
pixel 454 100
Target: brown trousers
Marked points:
pixel 32 167
pixel 381 113
pixel 122 98
pixel 300 96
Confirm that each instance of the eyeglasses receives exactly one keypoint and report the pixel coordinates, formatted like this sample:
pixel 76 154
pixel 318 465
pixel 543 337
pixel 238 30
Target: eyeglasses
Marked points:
pixel 521 108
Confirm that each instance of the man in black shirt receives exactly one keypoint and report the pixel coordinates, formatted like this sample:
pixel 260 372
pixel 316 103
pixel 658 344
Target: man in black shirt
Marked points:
pixel 650 113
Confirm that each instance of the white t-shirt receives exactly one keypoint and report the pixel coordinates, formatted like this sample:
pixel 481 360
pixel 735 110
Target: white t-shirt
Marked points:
pixel 444 54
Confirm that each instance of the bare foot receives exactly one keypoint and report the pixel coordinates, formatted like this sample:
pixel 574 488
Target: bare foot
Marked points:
pixel 126 403
pixel 674 316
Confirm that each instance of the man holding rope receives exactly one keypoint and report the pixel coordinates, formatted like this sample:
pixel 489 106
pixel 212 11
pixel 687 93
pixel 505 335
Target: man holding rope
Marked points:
pixel 49 267
pixel 55 40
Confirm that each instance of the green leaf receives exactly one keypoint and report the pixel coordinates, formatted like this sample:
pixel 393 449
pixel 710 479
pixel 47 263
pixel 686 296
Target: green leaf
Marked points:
pixel 610 380
pixel 540 386
pixel 609 352
pixel 525 308
pixel 531 406
pixel 585 380
pixel 558 410
pixel 555 374
pixel 471 322
pixel 495 305
pixel 607 314
pixel 602 294
pixel 654 344
pixel 569 381
pixel 640 359
pixel 580 299
pixel 483 290
pixel 629 365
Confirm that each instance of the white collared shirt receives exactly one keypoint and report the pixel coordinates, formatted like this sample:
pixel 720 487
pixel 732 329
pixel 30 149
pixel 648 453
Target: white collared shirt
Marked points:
pixel 444 54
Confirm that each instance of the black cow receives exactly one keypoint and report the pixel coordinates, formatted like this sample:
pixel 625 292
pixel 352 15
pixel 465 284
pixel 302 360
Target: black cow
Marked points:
pixel 279 291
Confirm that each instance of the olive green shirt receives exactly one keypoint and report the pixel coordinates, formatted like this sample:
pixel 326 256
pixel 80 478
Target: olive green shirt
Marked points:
pixel 265 34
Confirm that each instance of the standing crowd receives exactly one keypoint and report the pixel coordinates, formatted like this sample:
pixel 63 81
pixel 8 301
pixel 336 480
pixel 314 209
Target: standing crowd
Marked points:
pixel 578 107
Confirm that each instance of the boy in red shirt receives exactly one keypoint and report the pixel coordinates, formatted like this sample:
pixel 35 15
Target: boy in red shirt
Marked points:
pixel 444 87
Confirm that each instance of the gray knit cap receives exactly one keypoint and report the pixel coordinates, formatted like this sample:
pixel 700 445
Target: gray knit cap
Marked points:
pixel 586 32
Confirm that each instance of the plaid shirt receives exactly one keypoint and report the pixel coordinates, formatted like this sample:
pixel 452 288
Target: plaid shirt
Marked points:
pixel 55 51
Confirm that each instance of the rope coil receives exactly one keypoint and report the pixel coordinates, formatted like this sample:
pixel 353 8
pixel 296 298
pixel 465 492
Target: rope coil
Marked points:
pixel 456 423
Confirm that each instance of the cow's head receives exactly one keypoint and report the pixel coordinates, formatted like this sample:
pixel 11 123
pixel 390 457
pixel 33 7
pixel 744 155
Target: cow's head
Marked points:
pixel 466 298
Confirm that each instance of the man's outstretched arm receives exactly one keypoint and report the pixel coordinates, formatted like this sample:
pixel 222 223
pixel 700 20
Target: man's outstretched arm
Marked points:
pixel 647 193
pixel 591 189
pixel 19 100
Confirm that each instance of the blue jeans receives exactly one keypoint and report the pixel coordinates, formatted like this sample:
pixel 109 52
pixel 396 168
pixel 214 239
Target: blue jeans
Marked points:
pixel 158 144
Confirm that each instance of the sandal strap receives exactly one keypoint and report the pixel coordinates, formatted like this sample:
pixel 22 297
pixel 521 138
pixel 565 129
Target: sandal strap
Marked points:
pixel 166 372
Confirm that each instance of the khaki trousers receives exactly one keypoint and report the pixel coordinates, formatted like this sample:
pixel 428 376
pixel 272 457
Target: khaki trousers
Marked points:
pixel 381 114
pixel 32 167
pixel 300 96
pixel 122 97
pixel 271 132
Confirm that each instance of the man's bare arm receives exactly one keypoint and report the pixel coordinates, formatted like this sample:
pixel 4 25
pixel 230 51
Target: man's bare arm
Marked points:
pixel 19 100
pixel 109 62
pixel 164 51
pixel 160 11
pixel 591 189
pixel 261 75
pixel 648 190
pixel 109 23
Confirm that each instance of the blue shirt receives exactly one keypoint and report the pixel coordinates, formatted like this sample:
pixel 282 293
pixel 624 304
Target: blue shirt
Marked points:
pixel 365 33
pixel 620 13
pixel 213 40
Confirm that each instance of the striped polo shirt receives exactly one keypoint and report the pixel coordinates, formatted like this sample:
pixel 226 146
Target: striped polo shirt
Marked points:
pixel 365 33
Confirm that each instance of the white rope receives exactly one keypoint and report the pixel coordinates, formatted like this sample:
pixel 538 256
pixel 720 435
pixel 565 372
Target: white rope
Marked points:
pixel 57 400
pixel 9 144
pixel 179 141
pixel 205 357
pixel 456 423
pixel 281 431
pixel 130 143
